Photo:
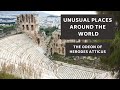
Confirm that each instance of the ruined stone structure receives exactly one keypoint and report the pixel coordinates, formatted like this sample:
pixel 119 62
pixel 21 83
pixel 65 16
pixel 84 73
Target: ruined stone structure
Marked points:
pixel 22 57
pixel 28 23
pixel 57 45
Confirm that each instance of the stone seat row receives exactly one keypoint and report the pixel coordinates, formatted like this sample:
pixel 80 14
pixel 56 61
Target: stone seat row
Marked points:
pixel 70 73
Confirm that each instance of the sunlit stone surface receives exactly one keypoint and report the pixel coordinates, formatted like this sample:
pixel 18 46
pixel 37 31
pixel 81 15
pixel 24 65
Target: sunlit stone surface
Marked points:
pixel 22 57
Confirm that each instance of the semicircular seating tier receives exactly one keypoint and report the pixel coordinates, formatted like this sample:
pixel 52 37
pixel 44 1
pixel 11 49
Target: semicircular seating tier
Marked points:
pixel 22 57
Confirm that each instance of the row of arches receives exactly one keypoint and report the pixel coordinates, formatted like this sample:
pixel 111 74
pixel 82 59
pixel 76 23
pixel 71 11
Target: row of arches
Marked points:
pixel 59 50
pixel 27 18
pixel 28 27
pixel 28 24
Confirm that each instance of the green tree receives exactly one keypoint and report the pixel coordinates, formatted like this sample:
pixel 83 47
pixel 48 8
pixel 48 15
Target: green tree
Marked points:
pixel 113 61
pixel 48 31
pixel 8 29
pixel 116 15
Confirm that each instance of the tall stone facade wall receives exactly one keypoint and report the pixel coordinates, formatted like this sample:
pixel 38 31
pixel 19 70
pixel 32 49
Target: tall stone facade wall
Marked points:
pixel 57 45
pixel 28 23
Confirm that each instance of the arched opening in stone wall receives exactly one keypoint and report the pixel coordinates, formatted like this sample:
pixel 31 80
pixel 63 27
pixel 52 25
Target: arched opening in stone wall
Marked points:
pixel 38 41
pixel 51 51
pixel 29 18
pixel 59 50
pixel 18 19
pixel 63 50
pixel 56 44
pixel 23 18
pixel 26 18
pixel 27 27
pixel 32 18
pixel 23 27
pixel 58 36
pixel 32 27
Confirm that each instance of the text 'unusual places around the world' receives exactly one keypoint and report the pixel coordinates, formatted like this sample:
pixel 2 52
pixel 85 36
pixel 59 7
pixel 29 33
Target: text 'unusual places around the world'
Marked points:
pixel 87 27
